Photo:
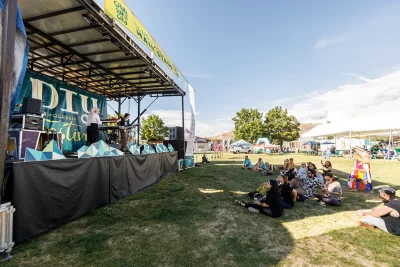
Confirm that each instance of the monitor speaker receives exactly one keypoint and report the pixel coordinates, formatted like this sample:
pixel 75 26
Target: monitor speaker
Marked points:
pixel 176 133
pixel 178 145
pixel 32 106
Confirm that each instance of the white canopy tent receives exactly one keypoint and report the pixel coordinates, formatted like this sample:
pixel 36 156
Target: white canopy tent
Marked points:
pixel 379 124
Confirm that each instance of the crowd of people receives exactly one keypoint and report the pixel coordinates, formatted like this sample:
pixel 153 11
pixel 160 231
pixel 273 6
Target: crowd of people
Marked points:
pixel 308 182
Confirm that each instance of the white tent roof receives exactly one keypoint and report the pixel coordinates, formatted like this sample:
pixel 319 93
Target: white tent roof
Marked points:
pixel 379 124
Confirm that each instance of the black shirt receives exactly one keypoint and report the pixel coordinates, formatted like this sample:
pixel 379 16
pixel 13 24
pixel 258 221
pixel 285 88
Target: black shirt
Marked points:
pixel 287 194
pixel 392 223
pixel 275 204
pixel 123 122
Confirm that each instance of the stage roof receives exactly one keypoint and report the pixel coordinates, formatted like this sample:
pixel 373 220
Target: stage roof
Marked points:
pixel 76 42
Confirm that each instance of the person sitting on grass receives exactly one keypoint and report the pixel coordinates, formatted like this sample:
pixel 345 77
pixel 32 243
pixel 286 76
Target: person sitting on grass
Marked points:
pixel 204 159
pixel 269 169
pixel 247 163
pixel 288 194
pixel 292 165
pixel 260 192
pixel 332 193
pixel 286 164
pixel 386 217
pixel 326 167
pixel 259 166
pixel 270 205
pixel 311 184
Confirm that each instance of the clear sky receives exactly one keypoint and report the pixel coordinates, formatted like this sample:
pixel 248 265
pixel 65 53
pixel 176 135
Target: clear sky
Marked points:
pixel 316 58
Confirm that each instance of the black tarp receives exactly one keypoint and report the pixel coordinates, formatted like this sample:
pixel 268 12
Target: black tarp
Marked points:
pixel 47 194
pixel 132 173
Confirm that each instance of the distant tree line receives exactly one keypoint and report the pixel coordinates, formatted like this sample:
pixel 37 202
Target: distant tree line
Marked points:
pixel 276 124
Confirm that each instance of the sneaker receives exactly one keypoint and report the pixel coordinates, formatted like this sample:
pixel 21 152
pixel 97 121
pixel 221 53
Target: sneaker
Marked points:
pixel 322 203
pixel 253 210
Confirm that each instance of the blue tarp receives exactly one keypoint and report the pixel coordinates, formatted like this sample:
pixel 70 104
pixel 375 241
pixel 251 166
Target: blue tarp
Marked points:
pixel 21 57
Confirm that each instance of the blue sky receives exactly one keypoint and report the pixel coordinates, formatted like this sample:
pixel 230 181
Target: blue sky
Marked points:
pixel 308 56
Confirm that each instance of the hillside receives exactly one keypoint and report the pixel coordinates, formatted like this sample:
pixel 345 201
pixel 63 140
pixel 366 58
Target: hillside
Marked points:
pixel 304 127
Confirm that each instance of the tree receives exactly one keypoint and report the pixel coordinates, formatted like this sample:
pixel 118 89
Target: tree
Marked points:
pixel 248 125
pixel 280 126
pixel 153 128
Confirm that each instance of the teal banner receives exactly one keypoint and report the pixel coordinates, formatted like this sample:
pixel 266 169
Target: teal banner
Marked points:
pixel 65 107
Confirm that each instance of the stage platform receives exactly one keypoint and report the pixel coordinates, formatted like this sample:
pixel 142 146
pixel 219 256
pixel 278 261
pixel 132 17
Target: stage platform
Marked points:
pixel 47 194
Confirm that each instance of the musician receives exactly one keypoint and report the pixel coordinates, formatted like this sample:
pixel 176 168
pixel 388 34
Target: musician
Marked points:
pixel 92 130
pixel 124 122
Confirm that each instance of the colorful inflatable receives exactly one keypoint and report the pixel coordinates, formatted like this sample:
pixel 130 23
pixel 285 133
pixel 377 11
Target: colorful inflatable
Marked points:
pixel 360 176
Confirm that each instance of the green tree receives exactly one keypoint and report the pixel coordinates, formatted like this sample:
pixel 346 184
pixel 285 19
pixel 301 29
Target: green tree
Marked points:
pixel 280 126
pixel 248 125
pixel 153 128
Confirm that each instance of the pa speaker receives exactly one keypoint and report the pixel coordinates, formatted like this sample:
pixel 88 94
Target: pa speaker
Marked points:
pixel 32 106
pixel 176 133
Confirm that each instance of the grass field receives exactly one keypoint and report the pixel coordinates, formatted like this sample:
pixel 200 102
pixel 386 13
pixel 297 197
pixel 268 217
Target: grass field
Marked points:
pixel 189 219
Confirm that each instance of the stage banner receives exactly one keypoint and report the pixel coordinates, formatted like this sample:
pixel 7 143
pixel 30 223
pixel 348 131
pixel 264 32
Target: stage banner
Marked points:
pixel 118 10
pixel 192 133
pixel 65 107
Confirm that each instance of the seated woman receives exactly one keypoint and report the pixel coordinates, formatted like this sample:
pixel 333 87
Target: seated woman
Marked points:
pixel 270 205
pixel 259 166
pixel 247 163
pixel 332 193
pixel 386 217
pixel 286 164
pixel 288 194
pixel 311 184
pixel 326 167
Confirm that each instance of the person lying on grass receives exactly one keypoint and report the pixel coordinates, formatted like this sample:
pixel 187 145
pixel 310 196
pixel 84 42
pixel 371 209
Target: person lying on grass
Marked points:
pixel 247 163
pixel 259 166
pixel 331 193
pixel 270 205
pixel 288 194
pixel 386 217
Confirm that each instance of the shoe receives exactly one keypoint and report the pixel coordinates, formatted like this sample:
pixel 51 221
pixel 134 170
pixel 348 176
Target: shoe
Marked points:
pixel 237 202
pixel 322 203
pixel 253 210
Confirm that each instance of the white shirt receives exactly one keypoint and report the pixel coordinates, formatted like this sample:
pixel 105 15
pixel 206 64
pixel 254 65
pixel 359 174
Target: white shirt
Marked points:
pixel 95 119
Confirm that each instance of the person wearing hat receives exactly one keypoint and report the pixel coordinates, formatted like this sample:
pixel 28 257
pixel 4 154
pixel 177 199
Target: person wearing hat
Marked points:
pixel 270 205
pixel 386 217
pixel 360 176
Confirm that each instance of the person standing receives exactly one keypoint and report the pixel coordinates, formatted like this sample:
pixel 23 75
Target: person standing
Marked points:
pixel 124 122
pixel 92 130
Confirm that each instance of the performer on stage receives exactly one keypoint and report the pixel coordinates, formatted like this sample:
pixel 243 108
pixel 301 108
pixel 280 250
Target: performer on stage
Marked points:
pixel 92 130
pixel 124 133
pixel 360 176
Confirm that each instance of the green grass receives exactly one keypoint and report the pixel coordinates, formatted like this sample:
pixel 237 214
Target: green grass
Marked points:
pixel 189 219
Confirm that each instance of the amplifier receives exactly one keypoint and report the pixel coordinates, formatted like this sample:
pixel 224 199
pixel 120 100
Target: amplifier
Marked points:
pixel 29 122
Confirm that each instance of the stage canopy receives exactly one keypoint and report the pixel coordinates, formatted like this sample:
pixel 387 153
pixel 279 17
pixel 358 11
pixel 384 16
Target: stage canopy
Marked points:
pixel 76 42
pixel 380 124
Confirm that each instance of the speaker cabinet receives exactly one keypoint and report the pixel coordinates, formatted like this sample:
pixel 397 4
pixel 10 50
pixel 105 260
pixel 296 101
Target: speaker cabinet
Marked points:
pixel 178 145
pixel 32 106
pixel 176 133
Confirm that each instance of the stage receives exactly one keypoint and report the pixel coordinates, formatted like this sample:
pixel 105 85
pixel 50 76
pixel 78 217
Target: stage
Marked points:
pixel 47 194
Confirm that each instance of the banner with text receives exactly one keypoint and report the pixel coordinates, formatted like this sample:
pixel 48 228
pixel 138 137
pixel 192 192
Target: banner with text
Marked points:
pixel 118 10
pixel 65 107
pixel 192 133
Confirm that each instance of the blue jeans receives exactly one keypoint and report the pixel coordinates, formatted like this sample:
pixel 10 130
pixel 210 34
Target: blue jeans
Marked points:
pixel 286 206
pixel 328 201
